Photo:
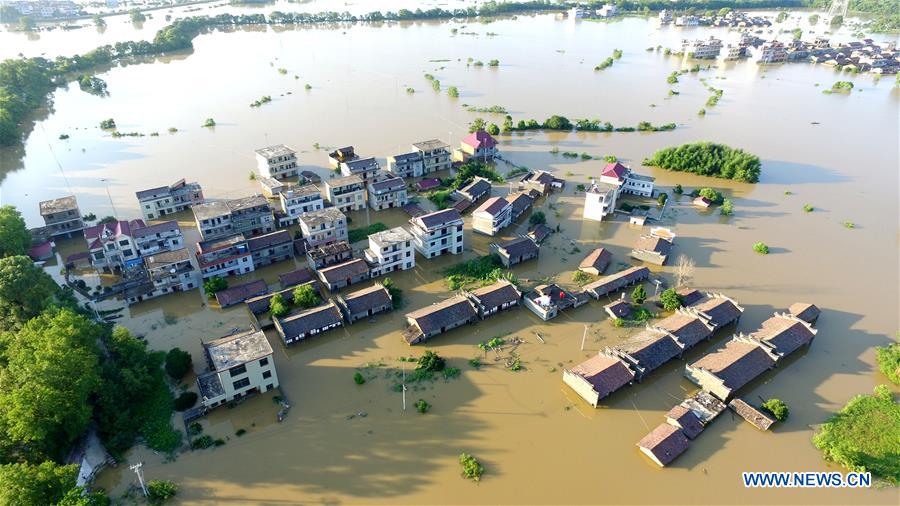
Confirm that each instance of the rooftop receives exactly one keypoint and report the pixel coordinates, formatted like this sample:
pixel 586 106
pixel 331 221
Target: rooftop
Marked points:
pixel 343 271
pixel 167 258
pixel 476 188
pixel 56 205
pixel 597 259
pixel 407 157
pixel 480 139
pixel 239 293
pixel 362 164
pixel 519 247
pixel 686 420
pixel 230 351
pixel 493 206
pixel 441 314
pixel 275 151
pixel 217 244
pixel 785 332
pixel 259 242
pixel 339 182
pixel 300 191
pixel 300 276
pixel 315 218
pixel 156 228
pixel 737 363
pixel 327 250
pixel 615 170
pixel 747 411
pixel 387 185
pixel 310 319
pixel 391 236
pixel 607 374
pixel 497 294
pixel 805 311
pixel 439 219
pixel 210 210
pixel 651 349
pixel 665 443
pixel 430 145
pixel 363 300
pixel 249 202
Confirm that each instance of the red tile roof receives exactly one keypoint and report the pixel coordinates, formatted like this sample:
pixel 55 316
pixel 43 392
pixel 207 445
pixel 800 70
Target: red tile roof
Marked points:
pixel 616 170
pixel 480 139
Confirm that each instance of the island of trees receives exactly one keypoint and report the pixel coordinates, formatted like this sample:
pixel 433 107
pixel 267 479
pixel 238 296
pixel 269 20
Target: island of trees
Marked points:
pixel 708 159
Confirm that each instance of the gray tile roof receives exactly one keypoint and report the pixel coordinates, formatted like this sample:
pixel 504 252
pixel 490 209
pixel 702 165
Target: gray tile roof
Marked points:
pixel 342 271
pixel 310 319
pixel 522 246
pixel 737 364
pixel 651 349
pixel 439 219
pixel 665 442
pixel 606 374
pixel 361 301
pixel 497 294
pixel 432 318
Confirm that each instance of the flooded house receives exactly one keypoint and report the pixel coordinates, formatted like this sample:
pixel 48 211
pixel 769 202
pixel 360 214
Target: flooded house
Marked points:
pixel 271 187
pixel 387 193
pixel 239 365
pixel 112 246
pixel 516 251
pixel 614 282
pixel 437 233
pixel 478 145
pixel 785 334
pixel 718 309
pixel 390 250
pixel 324 226
pixel 539 233
pixel 664 444
pixel 689 296
pixel 687 327
pixel 438 318
pixel 365 303
pixel 478 188
pixel 295 201
pixel 406 165
pixel 435 155
pixel 296 277
pixel 346 193
pixel 655 247
pixel 304 323
pixel 547 301
pixel 165 200
pixel 724 371
pixel 751 414
pixel 248 215
pixel 648 350
pixel 492 299
pixel 492 216
pixel 237 294
pixel 619 308
pixel 229 256
pixel 165 236
pixel 597 377
pixel 277 162
pixel 626 180
pixel 341 155
pixel 364 168
pixel 338 276
pixel 519 203
pixel 168 271
pixel 540 181
pixel 596 262
pixel 270 248
pixel 599 201
pixel 328 254
pixel 805 311
pixel 686 420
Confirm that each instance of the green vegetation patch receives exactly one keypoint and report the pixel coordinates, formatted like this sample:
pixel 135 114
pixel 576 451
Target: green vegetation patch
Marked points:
pixel 361 234
pixel 708 159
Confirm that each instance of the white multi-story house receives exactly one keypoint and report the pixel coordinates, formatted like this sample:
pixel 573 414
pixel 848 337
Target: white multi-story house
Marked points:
pixel 346 193
pixel 324 226
pixel 406 164
pixel 225 257
pixel 627 180
pixel 168 271
pixel 435 155
pixel 365 168
pixel 247 215
pixel 437 233
pixel 165 200
pixel 112 246
pixel 61 216
pixel 665 17
pixel 159 237
pixel 599 200
pixel 388 193
pixel 390 250
pixel 278 162
pixel 773 52
pixel 687 21
pixel 305 199
pixel 239 365
pixel 607 11
pixel 703 49
pixel 478 145
pixel 492 216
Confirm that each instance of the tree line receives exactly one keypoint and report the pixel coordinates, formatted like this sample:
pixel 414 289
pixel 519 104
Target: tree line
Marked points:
pixel 708 159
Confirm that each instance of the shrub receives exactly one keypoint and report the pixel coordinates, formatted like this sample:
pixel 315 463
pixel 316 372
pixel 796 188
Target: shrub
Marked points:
pixel 451 372
pixel 195 428
pixel 185 401
pixel 708 159
pixel 475 362
pixel 422 406
pixel 493 129
pixel 727 208
pixel 761 248
pixel 807 208
pixel 888 358
pixel 178 363
pixel 777 408
pixel 494 63
pixel 712 195
pixel 431 362
pixel 209 122
pixel 305 296
pixel 678 190
pixel 159 491
pixel 240 432
pixel 537 218
pixel 108 124
pixel 213 285
pixel 358 378
pixel 277 306
pixel 472 469
pixel 453 92
pixel 202 442
pixel 639 295
pixel 670 299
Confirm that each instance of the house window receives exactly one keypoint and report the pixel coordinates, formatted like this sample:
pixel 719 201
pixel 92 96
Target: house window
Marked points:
pixel 236 371
pixel 264 362
pixel 267 374
pixel 241 383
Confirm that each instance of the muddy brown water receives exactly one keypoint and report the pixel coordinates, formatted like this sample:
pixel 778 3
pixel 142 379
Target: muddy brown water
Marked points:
pixel 539 442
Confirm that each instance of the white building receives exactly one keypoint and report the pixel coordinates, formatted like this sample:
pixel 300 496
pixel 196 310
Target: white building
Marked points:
pixel 607 11
pixel 703 49
pixel 112 246
pixel 492 216
pixel 346 193
pixel 278 162
pixel 229 256
pixel 164 200
pixel 387 194
pixel 599 200
pixel 437 233
pixel 687 21
pixel 406 164
pixel 390 250
pixel 168 271
pixel 365 168
pixel 165 236
pixel 304 199
pixel 324 226
pixel 665 17
pixel 239 365
pixel 435 155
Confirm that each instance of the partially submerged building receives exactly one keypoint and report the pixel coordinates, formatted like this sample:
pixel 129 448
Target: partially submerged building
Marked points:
pixel 239 365
pixel 438 318
pixel 597 377
pixel 754 416
pixel 247 215
pixel 270 248
pixel 655 247
pixel 435 155
pixel 390 250
pixel 519 202
pixel 61 216
pixel 725 371
pixel 324 226
pixel 165 200
pixel 158 237
pixel 112 246
pixel 295 201
pixel 516 251
pixel 478 188
pixel 387 193
pixel 491 299
pixel 344 274
pixel 614 282
pixel 406 164
pixel 596 262
pixel 277 162
pixel 328 254
pixel 302 324
pixel 479 145
pixel 540 181
pixel 229 256
pixel 547 301
pixel 365 303
pixel 366 168
pixel 437 233
pixel 664 443
pixel 168 271
pixel 346 193
pixel 237 294
pixel 492 216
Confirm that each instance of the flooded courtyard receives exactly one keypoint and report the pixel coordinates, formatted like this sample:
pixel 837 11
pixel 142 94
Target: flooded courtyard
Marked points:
pixel 540 443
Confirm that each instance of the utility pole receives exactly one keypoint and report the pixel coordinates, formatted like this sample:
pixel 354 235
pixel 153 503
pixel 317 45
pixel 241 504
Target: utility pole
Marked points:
pixel 404 386
pixel 139 471
pixel 116 214
pixel 583 337
pixel 657 283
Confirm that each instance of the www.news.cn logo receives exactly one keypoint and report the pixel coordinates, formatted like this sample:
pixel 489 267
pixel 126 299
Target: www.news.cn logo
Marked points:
pixel 807 480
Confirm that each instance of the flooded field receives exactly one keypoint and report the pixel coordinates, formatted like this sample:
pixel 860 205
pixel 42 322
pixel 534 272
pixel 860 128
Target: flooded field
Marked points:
pixel 539 442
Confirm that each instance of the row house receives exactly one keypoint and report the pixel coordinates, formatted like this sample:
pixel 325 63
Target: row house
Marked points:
pixel 236 294
pixel 435 155
pixel 478 188
pixel 298 200
pixel 277 162
pixel 405 165
pixel 365 303
pixel 238 365
pixel 302 324
pixel 390 250
pixel 168 271
pixel 519 202
pixel 702 49
pixel 439 318
pixel 366 168
pixel 247 215
pixel 270 248
pixel 61 216
pixel 229 256
pixel 344 274
pixel 328 254
pixel 490 300
pixel 111 245
pixel 516 251
pixel 165 200
pixel 324 226
pixel 387 194
pixel 614 282
pixel 492 216
pixel 437 233
pixel 159 237
pixel 346 193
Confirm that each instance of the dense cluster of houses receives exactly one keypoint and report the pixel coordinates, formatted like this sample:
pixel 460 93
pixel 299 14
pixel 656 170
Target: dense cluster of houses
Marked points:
pixel 857 56
pixel 583 11
pixel 615 179
pixel 733 19
pixel 44 9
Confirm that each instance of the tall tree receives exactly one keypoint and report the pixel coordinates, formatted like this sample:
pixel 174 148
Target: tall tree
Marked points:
pixel 28 484
pixel 14 236
pixel 25 291
pixel 49 378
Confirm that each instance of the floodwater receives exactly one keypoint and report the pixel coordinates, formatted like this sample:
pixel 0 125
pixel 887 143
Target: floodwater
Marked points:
pixel 539 442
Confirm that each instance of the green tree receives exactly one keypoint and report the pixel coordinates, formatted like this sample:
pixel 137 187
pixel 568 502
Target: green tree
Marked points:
pixel 26 23
pixel 50 375
pixel 537 218
pixel 14 236
pixel 708 159
pixel 477 125
pixel 639 295
pixel 493 129
pixel 213 285
pixel 25 291
pixel 431 362
pixel 160 491
pixel 185 401
pixel 277 306
pixel 472 469
pixel 508 123
pixel 453 92
pixel 712 195
pixel 358 378
pixel 727 208
pixel 557 122
pixel 777 408
pixel 662 198
pixel 36 484
pixel 178 363
pixel 888 358
pixel 98 20
pixel 395 292
pixel 422 406
pixel 678 190
pixel 137 16
pixel 670 299
pixel 761 248
pixel 305 296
